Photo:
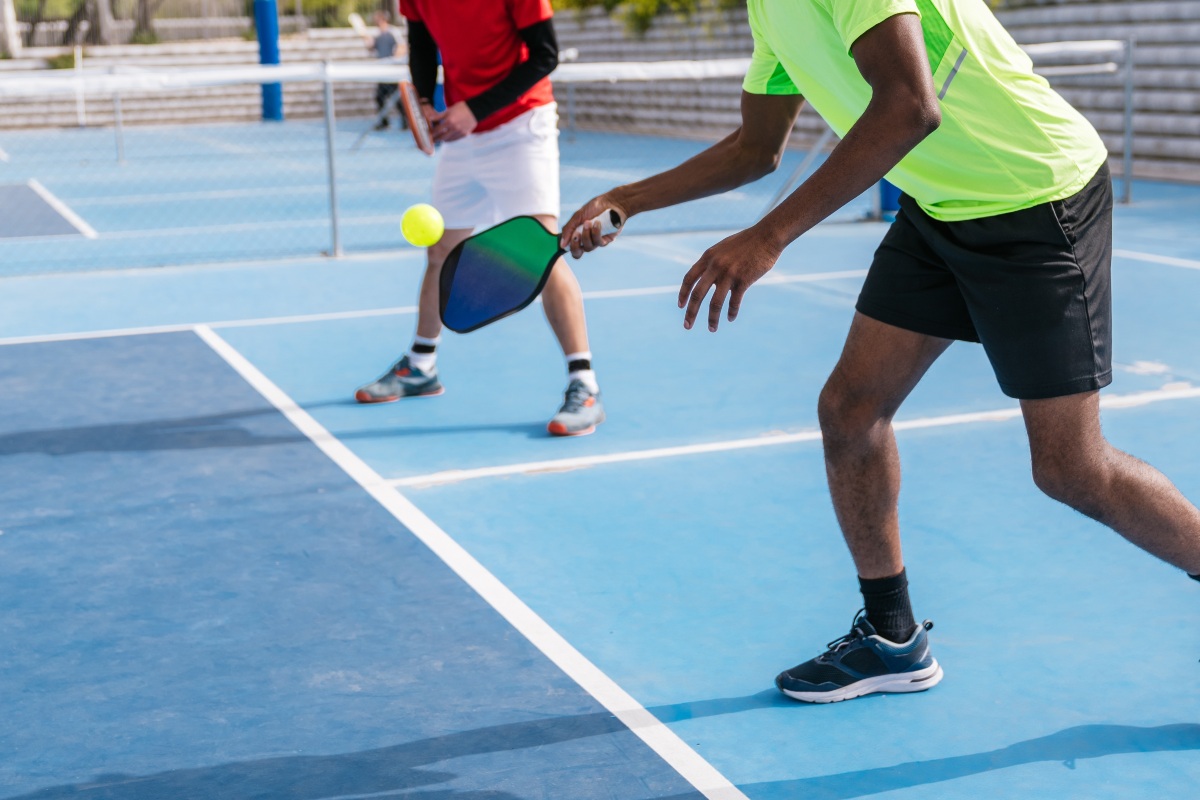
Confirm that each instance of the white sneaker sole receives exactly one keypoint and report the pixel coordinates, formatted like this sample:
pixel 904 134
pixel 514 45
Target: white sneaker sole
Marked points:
pixel 917 681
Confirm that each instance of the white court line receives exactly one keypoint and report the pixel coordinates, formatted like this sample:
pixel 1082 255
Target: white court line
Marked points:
pixel 606 294
pixel 767 440
pixel 365 187
pixel 3 156
pixel 1152 258
pixel 661 739
pixel 236 227
pixel 232 323
pixel 63 209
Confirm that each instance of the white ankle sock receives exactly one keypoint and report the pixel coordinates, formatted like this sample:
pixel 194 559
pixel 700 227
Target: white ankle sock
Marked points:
pixel 587 376
pixel 424 361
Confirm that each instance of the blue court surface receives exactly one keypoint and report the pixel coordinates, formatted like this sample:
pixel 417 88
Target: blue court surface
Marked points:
pixel 222 578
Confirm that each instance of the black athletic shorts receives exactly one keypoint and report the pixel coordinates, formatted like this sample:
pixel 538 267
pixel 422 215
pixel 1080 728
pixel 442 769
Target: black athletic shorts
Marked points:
pixel 1032 286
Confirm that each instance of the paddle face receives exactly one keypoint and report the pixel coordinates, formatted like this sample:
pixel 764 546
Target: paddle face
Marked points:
pixel 495 273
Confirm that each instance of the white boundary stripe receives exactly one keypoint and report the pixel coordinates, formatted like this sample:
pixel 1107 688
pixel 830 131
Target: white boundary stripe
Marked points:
pixel 233 323
pixel 767 440
pixel 63 209
pixel 702 775
pixel 1153 258
pixel 381 312
pixel 3 156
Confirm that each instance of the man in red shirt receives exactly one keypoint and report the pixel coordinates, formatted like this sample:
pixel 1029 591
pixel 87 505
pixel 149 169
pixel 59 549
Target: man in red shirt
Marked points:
pixel 498 160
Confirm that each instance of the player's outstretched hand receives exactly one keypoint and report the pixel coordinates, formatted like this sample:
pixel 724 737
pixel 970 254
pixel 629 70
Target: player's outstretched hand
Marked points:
pixel 453 124
pixel 730 266
pixel 580 238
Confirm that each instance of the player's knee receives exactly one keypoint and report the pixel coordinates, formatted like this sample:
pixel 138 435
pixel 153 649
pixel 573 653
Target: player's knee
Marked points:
pixel 436 255
pixel 1071 479
pixel 844 413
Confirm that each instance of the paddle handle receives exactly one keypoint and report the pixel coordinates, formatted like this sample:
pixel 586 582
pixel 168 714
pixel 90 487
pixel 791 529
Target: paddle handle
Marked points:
pixel 610 221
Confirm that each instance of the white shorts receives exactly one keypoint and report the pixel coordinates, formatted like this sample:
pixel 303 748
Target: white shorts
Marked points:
pixel 488 177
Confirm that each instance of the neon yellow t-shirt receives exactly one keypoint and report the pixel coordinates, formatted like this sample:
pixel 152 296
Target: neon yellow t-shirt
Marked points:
pixel 1007 140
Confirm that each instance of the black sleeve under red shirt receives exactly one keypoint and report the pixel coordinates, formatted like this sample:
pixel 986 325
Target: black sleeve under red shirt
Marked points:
pixel 422 60
pixel 539 39
pixel 542 44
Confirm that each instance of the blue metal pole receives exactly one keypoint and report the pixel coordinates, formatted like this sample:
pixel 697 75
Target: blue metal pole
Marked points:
pixel 266 21
pixel 889 200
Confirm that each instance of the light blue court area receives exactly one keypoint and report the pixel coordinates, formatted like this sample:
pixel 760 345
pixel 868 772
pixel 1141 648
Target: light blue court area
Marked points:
pixel 164 196
pixel 220 577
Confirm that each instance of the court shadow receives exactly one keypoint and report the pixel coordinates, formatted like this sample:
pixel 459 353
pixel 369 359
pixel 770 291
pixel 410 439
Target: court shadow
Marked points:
pixel 388 770
pixel 531 430
pixel 1066 747
pixel 382 772
pixel 213 431
pixel 187 433
pixel 697 709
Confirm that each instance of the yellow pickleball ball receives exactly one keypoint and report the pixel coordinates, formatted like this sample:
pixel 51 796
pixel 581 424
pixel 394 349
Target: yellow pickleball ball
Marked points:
pixel 422 225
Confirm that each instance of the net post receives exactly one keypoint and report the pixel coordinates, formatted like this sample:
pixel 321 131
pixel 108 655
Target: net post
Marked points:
pixel 266 22
pixel 335 249
pixel 1127 155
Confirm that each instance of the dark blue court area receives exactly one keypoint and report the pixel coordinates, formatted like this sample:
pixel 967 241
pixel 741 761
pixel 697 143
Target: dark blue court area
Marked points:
pixel 197 603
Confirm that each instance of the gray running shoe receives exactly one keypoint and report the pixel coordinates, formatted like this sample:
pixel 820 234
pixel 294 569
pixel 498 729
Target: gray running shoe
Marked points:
pixel 581 412
pixel 402 380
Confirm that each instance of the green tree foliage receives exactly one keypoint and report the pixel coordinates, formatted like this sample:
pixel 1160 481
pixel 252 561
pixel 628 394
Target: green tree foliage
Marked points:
pixel 639 15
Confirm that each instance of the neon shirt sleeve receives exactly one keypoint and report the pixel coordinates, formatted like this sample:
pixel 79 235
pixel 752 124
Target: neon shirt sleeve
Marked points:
pixel 766 74
pixel 853 18
pixel 529 12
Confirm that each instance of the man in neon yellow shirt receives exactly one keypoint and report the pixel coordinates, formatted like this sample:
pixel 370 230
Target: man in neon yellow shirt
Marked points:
pixel 1004 237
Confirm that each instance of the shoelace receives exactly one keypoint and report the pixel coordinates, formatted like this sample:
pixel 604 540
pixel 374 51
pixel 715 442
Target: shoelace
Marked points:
pixel 575 397
pixel 844 641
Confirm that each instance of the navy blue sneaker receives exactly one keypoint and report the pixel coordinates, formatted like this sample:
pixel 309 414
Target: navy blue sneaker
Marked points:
pixel 863 662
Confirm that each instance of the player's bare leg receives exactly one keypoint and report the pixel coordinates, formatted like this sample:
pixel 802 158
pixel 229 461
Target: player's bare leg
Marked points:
pixel 429 321
pixel 562 302
pixel 415 374
pixel 1075 464
pixel 879 366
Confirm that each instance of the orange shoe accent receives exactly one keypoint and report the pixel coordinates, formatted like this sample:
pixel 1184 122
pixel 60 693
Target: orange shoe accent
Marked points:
pixel 404 373
pixel 364 397
pixel 591 401
pixel 558 429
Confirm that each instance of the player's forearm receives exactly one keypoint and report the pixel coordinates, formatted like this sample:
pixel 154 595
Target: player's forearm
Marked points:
pixel 886 132
pixel 726 165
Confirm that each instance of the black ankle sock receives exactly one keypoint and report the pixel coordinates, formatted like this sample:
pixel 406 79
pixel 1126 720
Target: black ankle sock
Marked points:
pixel 424 348
pixel 579 365
pixel 888 608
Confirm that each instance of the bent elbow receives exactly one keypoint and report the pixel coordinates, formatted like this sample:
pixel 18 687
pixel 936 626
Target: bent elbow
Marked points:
pixel 931 117
pixel 769 163
pixel 764 162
